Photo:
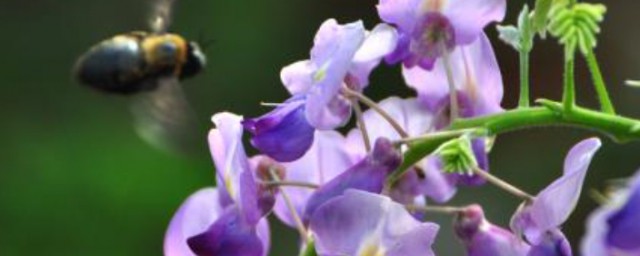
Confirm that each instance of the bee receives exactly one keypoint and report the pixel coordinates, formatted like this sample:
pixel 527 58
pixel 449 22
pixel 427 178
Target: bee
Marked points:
pixel 148 67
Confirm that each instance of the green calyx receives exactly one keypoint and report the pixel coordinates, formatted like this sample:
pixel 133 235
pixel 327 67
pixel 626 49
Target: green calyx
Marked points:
pixel 457 155
pixel 576 25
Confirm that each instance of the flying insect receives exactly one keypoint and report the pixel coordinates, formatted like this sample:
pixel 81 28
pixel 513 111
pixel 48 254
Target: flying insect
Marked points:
pixel 148 67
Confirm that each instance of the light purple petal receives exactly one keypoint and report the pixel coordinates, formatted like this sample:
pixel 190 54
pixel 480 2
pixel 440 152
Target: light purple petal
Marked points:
pixel 325 160
pixel 193 217
pixel 340 228
pixel 298 77
pixel 369 175
pixel 380 42
pixel 229 235
pixel 284 133
pixel 357 220
pixel 225 143
pixel 402 13
pixel 469 17
pixel 594 243
pixel 475 71
pixel 408 113
pixel 436 184
pixel 325 109
pixel 553 205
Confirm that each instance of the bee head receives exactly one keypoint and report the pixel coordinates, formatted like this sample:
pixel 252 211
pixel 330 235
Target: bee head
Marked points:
pixel 196 61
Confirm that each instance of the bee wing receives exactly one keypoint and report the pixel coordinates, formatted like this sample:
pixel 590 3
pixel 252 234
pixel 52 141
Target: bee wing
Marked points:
pixel 164 118
pixel 161 15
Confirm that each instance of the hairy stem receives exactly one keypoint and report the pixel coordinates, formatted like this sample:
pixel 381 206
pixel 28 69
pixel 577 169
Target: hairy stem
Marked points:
pixel 569 92
pixel 598 83
pixel 524 79
pixel 618 128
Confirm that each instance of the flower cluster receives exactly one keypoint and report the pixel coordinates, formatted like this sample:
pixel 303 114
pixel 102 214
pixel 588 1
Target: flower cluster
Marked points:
pixel 354 193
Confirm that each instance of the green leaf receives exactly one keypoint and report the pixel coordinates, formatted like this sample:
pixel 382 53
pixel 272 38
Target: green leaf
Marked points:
pixel 521 37
pixel 540 16
pixel 576 25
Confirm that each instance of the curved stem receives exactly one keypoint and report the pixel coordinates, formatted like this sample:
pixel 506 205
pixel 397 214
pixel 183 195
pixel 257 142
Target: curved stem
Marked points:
pixel 453 94
pixel 373 105
pixel 618 128
pixel 434 208
pixel 285 183
pixel 598 83
pixel 361 125
pixel 503 184
pixel 294 214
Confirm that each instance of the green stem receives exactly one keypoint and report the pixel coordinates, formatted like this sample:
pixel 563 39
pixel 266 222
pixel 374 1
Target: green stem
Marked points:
pixel 569 92
pixel 620 129
pixel 524 79
pixel 598 83
pixel 309 249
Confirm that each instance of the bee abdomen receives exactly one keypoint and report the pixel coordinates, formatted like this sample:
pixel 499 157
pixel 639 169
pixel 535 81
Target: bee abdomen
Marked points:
pixel 116 65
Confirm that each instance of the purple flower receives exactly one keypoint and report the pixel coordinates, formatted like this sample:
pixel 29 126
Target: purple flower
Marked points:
pixel 553 205
pixel 195 227
pixel 415 120
pixel 369 175
pixel 325 160
pixel 228 220
pixel 482 238
pixel 341 55
pixel 479 91
pixel 476 75
pixel 361 223
pixel 284 133
pixel 614 228
pixel 426 26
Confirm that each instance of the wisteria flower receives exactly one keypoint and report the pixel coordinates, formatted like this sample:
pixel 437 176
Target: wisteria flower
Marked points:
pixel 369 174
pixel 426 28
pixel 227 220
pixel 614 228
pixel 482 238
pixel 415 120
pixel 553 205
pixel 325 160
pixel 477 78
pixel 341 55
pixel 362 223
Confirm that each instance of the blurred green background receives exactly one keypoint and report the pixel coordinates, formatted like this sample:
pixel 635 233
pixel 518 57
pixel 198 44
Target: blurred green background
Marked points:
pixel 76 180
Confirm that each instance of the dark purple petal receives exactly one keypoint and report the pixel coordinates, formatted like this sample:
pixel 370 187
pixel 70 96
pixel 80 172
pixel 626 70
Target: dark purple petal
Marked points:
pixel 553 243
pixel 612 228
pixel 624 225
pixel 358 223
pixel 230 235
pixel 368 175
pixel 481 238
pixel 284 133
pixel 193 217
pixel 553 205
